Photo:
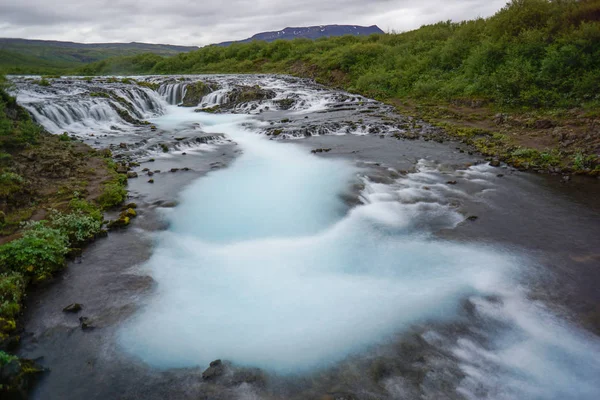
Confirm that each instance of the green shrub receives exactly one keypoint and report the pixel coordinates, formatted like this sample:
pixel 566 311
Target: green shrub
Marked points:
pixel 12 290
pixel 112 195
pixel 37 254
pixel 10 183
pixel 6 358
pixel 531 54
pixel 77 226
pixel 81 205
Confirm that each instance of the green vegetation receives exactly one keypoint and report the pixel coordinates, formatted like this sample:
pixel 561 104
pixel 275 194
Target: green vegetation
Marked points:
pixel 532 53
pixel 52 177
pixel 19 56
pixel 537 61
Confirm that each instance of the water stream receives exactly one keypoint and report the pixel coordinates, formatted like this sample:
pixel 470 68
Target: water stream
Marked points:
pixel 265 264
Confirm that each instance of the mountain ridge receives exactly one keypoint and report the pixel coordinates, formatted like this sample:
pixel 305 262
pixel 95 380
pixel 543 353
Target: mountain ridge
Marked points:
pixel 308 32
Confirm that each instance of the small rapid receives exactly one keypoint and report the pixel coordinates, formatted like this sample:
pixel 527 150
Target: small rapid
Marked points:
pixel 264 266
pixel 270 262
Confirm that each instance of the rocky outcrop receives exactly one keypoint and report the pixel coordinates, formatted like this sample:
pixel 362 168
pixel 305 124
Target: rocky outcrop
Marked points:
pixel 246 94
pixel 195 92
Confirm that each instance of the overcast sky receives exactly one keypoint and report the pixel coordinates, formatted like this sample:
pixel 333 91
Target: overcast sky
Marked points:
pixel 204 22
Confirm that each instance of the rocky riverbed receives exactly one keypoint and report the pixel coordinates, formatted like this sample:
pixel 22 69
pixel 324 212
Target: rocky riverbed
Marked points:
pixel 320 246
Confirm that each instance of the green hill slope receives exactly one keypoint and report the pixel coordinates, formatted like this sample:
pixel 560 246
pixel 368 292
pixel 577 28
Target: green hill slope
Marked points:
pixel 39 56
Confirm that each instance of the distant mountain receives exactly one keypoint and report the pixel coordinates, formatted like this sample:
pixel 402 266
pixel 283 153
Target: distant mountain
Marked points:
pixel 24 55
pixel 311 32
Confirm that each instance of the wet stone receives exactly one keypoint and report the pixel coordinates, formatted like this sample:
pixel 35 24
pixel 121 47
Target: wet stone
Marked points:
pixel 73 308
pixel 215 370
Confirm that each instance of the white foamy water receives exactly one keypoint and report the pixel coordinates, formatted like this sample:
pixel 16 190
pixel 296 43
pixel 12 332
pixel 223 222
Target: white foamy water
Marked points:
pixel 262 267
pixel 265 266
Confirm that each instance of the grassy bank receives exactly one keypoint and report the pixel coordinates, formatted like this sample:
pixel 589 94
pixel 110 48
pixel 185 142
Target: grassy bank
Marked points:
pixel 52 194
pixel 522 85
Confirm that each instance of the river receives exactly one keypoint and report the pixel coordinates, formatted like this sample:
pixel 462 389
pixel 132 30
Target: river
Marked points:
pixel 351 271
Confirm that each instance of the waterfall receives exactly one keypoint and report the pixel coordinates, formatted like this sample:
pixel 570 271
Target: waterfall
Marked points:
pixel 82 107
pixel 215 98
pixel 173 93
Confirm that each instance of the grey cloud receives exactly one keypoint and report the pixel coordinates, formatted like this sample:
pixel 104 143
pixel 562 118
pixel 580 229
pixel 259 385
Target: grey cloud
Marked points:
pixel 201 23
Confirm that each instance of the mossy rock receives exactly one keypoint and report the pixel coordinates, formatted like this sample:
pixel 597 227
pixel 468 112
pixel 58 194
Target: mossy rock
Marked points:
pixel 246 94
pixel 194 93
pixel 17 376
pixel 285 104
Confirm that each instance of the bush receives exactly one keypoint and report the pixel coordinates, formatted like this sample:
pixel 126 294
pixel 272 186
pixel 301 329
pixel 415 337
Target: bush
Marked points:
pixel 77 226
pixel 112 195
pixel 81 205
pixel 37 254
pixel 12 289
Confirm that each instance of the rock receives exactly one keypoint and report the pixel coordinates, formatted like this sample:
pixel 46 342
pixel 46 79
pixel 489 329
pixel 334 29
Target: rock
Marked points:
pixel 174 169
pixel 122 168
pixel 153 128
pixel 123 145
pixel 73 308
pixel 215 370
pixel 150 173
pixel 500 119
pixel 17 377
pixel 151 160
pixel 500 175
pixel 246 94
pixel 151 181
pixel 132 174
pixel 543 124
pixel 185 169
pixel 164 147
pixel 130 212
pixel 253 376
pixel 85 323
pixel 146 170
pixel 451 183
pixel 285 104
pixel 472 218
pixel 121 222
pixel 320 151
pixel 566 178
pixel 194 93
pixel 495 163
pixel 184 153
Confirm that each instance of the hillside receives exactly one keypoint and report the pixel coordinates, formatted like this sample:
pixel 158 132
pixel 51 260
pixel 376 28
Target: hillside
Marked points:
pixel 41 56
pixel 522 85
pixel 311 32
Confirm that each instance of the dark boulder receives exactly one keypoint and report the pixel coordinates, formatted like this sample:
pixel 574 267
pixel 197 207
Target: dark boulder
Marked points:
pixel 215 370
pixel 73 308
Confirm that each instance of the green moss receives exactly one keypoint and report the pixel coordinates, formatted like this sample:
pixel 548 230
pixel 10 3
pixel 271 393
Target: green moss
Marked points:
pixel 149 85
pixel 43 82
pixel 100 94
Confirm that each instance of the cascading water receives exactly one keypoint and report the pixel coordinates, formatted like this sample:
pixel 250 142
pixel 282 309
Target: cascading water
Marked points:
pixel 83 107
pixel 265 265
pixel 173 93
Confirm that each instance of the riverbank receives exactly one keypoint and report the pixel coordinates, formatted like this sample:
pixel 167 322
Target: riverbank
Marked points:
pixel 555 141
pixel 53 192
